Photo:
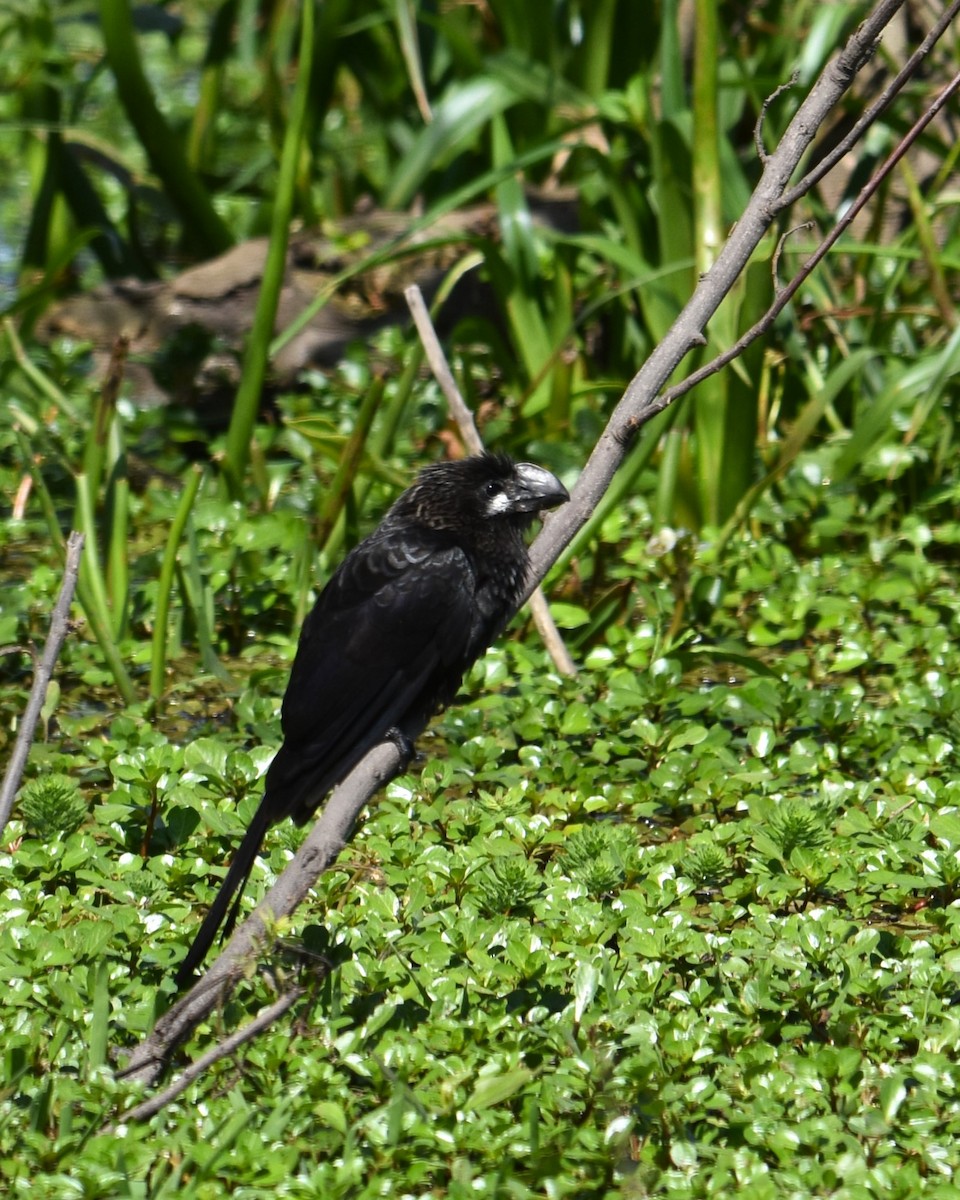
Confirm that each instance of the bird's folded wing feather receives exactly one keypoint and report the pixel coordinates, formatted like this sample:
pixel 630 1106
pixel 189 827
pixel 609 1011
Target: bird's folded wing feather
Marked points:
pixel 386 644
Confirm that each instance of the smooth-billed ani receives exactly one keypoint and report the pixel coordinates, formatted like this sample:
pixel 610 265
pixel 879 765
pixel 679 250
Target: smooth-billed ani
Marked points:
pixel 390 636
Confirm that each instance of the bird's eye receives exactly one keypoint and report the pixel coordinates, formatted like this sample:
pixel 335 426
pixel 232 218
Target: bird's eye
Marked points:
pixel 492 488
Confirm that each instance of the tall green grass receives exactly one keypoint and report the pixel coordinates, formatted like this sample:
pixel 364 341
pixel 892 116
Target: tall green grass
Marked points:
pixel 642 117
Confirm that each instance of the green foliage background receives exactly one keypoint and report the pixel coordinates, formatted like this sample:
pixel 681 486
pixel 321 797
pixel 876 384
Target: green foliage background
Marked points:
pixel 683 926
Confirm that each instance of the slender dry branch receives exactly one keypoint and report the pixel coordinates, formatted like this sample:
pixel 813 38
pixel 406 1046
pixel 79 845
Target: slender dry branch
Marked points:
pixel 321 848
pixel 542 617
pixel 441 370
pixel 639 402
pixel 882 102
pixel 263 1020
pixel 785 293
pixel 59 628
pixel 803 227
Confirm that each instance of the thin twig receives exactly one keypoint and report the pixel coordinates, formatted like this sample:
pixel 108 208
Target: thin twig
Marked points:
pixel 263 1020
pixel 542 617
pixel 804 227
pixel 786 293
pixel 59 628
pixel 441 370
pixel 846 144
pixel 43 383
pixel 758 128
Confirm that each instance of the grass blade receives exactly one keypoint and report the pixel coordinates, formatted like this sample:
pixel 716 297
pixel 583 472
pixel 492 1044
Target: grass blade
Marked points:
pixel 97 615
pixel 158 657
pixel 247 402
pixel 201 222
pixel 350 461
pixel 118 528
pixel 199 599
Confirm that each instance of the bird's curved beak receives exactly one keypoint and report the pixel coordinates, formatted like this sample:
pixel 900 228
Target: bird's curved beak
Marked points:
pixel 536 489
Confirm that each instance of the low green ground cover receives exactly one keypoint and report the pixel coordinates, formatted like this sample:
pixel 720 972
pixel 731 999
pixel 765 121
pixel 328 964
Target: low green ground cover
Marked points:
pixel 686 925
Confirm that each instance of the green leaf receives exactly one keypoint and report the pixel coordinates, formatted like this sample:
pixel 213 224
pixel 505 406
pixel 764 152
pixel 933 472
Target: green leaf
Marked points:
pixel 457 119
pixel 569 616
pixel 688 735
pixel 494 1088
pixel 586 978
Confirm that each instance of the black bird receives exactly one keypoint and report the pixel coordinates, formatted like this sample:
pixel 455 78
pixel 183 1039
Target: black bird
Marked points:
pixel 390 636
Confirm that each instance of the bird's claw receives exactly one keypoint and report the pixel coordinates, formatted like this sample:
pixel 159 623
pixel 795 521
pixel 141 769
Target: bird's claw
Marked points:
pixel 405 747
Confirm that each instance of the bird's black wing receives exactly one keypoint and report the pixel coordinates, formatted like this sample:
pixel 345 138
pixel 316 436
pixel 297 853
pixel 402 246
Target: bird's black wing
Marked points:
pixel 387 642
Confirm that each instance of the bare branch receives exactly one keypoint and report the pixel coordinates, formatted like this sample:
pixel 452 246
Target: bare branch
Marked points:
pixel 263 1020
pixel 786 293
pixel 59 628
pixel 441 370
pixel 843 147
pixel 641 400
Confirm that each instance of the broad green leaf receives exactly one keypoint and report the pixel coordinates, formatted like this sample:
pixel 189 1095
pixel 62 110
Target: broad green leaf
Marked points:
pixel 493 1089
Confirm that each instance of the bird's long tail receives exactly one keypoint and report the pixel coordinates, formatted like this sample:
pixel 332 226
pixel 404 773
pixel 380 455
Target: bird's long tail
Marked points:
pixel 233 884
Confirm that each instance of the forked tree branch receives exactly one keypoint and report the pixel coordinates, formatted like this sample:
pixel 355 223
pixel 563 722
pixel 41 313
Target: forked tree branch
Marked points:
pixel 639 403
pixel 785 293
pixel 263 1020
pixel 882 102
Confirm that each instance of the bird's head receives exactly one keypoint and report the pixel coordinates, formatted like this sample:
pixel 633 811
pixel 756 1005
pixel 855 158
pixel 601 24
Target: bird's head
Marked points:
pixel 486 488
